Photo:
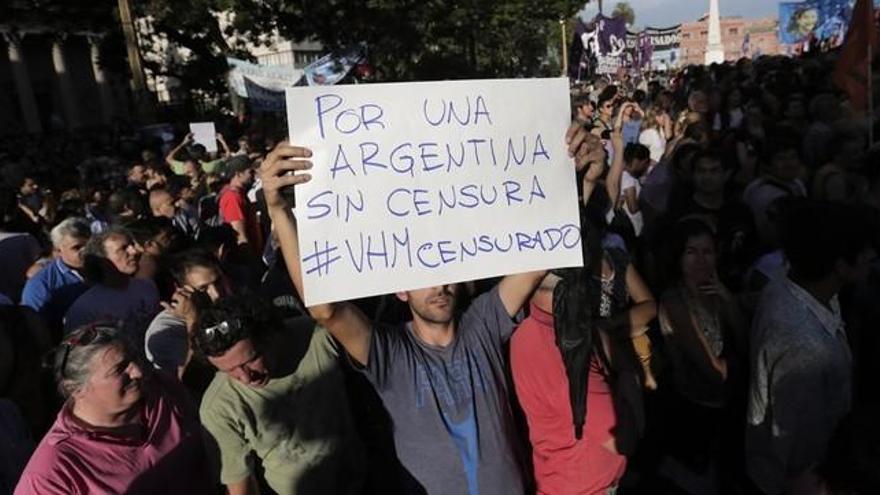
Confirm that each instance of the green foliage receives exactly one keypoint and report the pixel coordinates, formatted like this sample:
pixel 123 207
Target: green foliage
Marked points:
pixel 435 39
pixel 623 9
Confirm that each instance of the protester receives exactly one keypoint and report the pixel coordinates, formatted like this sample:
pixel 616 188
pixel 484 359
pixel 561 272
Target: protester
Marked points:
pixel 436 413
pixel 279 392
pixel 111 262
pixel 780 179
pixel 121 430
pixel 153 237
pixel 197 154
pixel 705 335
pixel 801 375
pixel 235 208
pixel 571 453
pixel 53 289
pixel 164 204
pixel 197 276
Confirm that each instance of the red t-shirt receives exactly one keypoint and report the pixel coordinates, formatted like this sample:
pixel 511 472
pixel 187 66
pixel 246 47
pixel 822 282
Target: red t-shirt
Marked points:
pixel 563 464
pixel 234 207
pixel 168 457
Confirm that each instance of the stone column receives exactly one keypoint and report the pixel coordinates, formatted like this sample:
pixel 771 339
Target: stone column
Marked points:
pixel 100 79
pixel 68 97
pixel 715 49
pixel 22 83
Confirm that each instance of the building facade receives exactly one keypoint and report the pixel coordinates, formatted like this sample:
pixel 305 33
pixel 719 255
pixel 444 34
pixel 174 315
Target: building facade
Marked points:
pixel 761 33
pixel 54 81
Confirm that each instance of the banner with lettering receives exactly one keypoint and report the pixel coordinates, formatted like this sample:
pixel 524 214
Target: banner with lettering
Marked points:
pixel 423 184
pixel 262 85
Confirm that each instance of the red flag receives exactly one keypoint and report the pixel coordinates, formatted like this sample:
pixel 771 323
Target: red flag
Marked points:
pixel 852 70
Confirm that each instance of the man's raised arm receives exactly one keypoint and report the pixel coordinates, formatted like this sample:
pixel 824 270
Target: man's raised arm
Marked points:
pixel 171 157
pixel 284 167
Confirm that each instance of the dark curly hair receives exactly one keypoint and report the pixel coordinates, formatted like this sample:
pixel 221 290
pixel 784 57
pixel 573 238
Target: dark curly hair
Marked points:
pixel 233 319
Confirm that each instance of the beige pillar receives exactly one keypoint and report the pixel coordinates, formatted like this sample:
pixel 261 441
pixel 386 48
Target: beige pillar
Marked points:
pixel 68 97
pixel 22 83
pixel 101 80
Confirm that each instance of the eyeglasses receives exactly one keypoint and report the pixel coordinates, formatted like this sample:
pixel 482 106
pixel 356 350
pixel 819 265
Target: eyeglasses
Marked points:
pixel 89 335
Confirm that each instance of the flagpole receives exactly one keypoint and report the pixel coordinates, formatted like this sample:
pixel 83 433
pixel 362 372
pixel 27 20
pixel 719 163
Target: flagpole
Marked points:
pixel 564 49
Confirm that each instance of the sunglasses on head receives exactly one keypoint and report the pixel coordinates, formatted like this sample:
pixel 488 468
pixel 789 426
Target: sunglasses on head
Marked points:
pixel 92 334
pixel 222 328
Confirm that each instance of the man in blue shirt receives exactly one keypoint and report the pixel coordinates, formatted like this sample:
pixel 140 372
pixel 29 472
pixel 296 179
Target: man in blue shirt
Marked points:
pixel 54 288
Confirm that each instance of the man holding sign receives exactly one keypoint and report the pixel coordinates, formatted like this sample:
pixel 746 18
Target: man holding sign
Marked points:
pixel 442 376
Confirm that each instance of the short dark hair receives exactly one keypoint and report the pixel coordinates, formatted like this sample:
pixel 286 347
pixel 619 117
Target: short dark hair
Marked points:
pixel 635 151
pixel 235 165
pixel 197 151
pixel 817 234
pixel 231 320
pixel 94 253
pixel 727 163
pixel 183 262
pixel 582 100
pixel 696 130
pixel 603 100
pixel 126 199
pixel 778 144
pixel 145 229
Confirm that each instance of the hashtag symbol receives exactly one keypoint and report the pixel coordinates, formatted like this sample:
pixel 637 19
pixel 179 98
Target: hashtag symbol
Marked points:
pixel 321 259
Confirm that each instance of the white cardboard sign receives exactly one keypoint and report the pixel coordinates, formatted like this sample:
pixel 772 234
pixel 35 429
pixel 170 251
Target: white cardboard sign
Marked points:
pixel 423 184
pixel 204 134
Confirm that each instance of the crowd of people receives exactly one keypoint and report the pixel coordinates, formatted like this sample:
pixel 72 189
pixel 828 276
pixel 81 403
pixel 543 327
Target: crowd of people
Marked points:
pixel 719 339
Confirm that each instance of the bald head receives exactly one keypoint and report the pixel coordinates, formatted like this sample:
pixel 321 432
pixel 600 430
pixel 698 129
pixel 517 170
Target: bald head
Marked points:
pixel 162 203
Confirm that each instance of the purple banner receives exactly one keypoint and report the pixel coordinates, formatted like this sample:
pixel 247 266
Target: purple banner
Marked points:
pixel 612 36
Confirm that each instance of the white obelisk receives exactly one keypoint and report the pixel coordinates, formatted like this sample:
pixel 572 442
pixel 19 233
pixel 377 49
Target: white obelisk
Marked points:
pixel 714 49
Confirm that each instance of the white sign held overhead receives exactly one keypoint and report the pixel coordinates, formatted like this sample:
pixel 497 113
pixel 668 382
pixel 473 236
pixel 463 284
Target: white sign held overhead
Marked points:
pixel 423 184
pixel 204 134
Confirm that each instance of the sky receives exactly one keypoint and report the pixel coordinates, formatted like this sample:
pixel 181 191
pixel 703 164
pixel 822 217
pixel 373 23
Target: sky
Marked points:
pixel 662 13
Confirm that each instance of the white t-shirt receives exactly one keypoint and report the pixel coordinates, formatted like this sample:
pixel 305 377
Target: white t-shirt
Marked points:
pixel 656 143
pixel 627 181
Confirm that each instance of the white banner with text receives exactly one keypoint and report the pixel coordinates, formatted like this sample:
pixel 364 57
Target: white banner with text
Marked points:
pixel 423 184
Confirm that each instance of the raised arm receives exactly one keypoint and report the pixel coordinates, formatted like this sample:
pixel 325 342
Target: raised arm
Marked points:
pixel 587 150
pixel 285 166
pixel 612 181
pixel 226 151
pixel 169 158
pixel 583 149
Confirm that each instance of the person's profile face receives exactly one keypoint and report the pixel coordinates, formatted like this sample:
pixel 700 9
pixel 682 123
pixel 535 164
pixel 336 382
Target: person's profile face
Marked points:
pixel 123 253
pixel 208 281
pixel 137 174
pixel 115 382
pixel 164 205
pixel 70 250
pixel 29 187
pixel 243 362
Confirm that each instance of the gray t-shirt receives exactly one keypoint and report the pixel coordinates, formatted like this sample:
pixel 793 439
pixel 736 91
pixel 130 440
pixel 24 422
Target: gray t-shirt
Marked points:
pixel 165 342
pixel 453 428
